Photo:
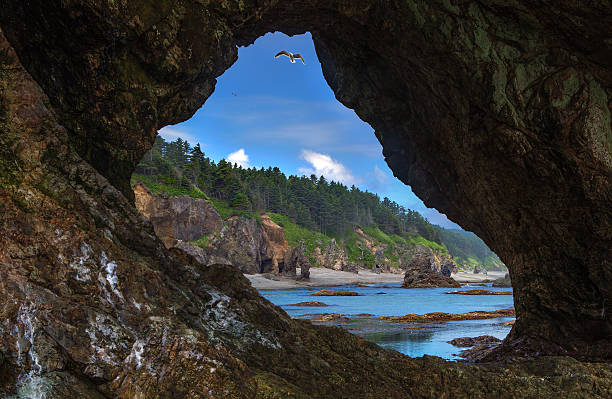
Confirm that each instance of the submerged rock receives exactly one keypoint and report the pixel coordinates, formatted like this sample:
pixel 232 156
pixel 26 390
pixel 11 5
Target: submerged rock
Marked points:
pixel 335 293
pixel 471 341
pixel 479 292
pixel 307 304
pixel 330 317
pixel 441 316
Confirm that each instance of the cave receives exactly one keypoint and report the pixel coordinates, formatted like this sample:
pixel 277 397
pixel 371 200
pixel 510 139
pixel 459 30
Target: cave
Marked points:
pixel 267 266
pixel 496 114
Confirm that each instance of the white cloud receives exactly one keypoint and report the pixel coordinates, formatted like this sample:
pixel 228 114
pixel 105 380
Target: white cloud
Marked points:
pixel 170 134
pixel 324 165
pixel 377 180
pixel 239 157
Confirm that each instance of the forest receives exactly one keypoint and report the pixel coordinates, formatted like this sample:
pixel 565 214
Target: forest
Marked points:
pixel 326 207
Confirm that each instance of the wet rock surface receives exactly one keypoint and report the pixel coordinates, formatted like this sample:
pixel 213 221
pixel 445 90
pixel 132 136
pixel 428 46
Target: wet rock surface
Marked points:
pixel 503 282
pixel 497 114
pixel 335 293
pixel 441 316
pixel 312 303
pixel 479 292
pixel 428 270
pixel 471 341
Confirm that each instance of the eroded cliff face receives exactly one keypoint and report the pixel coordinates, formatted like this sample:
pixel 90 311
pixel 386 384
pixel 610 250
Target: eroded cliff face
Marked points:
pixel 249 245
pixel 177 218
pixel 497 114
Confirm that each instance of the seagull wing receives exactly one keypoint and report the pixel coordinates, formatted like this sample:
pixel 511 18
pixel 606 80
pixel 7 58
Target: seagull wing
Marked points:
pixel 297 55
pixel 288 54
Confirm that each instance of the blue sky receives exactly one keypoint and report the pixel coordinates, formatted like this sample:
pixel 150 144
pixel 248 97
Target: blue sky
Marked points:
pixel 270 112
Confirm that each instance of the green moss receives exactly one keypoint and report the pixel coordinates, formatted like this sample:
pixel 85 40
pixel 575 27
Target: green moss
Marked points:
pixel 481 39
pixel 202 241
pixel 9 164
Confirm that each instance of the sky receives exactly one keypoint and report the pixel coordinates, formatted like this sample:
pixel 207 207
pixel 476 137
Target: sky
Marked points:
pixel 270 112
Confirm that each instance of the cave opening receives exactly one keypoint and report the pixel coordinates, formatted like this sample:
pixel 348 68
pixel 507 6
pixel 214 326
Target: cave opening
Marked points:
pixel 271 124
pixel 496 114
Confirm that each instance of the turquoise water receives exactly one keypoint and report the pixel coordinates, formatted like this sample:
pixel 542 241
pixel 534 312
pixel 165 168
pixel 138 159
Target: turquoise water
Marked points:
pixel 413 339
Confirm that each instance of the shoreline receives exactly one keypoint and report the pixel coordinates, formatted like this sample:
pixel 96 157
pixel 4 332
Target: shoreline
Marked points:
pixel 321 277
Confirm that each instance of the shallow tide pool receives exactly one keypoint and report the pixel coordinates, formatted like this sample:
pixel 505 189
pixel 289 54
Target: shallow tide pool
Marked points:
pixel 413 339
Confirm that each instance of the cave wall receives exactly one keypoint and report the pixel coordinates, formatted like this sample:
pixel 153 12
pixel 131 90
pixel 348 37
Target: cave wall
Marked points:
pixel 496 113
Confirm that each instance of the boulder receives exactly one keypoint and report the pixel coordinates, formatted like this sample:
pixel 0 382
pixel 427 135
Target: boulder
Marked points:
pixel 417 278
pixel 503 282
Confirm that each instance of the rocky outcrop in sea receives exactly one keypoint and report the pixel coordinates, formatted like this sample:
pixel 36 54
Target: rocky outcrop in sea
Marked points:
pixel 428 270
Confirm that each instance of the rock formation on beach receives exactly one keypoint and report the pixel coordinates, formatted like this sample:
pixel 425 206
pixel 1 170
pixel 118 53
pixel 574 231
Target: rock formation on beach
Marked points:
pixel 427 270
pixel 298 259
pixel 496 113
pixel 194 226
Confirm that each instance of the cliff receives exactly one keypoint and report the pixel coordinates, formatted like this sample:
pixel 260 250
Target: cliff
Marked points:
pixel 259 245
pixel 194 225
pixel 177 218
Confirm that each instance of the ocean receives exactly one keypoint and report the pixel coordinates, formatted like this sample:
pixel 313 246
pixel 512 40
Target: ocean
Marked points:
pixel 413 339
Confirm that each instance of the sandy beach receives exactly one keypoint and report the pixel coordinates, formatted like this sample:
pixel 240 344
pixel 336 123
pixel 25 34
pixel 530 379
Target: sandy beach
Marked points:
pixel 321 277
pixel 462 277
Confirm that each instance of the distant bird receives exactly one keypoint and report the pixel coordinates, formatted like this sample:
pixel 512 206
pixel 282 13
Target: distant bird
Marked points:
pixel 292 57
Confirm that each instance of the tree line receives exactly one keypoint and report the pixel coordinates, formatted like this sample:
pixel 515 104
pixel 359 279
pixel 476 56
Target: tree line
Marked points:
pixel 315 203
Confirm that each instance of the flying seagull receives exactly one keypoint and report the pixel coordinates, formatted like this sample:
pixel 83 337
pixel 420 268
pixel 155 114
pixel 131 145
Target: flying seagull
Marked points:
pixel 292 57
